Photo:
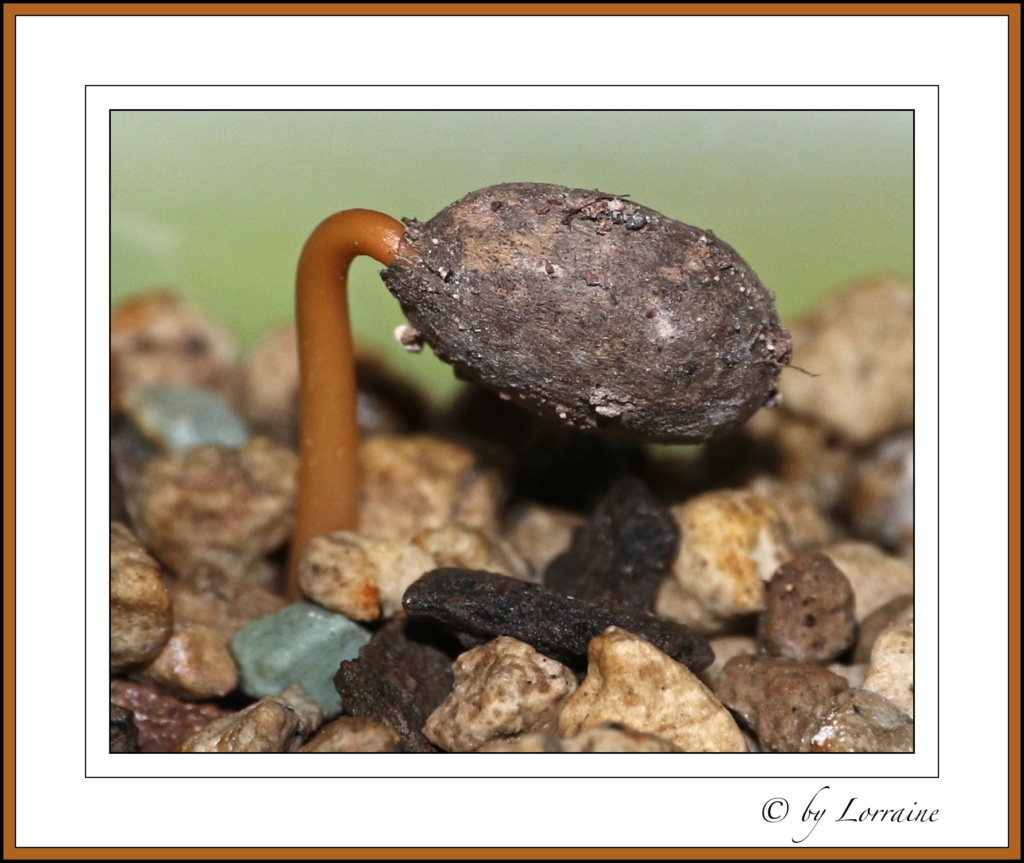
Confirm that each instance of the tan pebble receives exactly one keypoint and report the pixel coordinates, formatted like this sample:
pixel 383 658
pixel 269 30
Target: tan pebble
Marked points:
pixel 860 343
pixel 270 386
pixel 354 734
pixel 468 547
pixel 776 697
pixel 159 337
pixel 681 605
pixel 194 665
pixel 222 605
pixel 631 682
pixel 896 612
pixel 213 510
pixel 811 457
pixel 858 721
pixel 853 674
pixel 502 688
pixel 415 482
pixel 606 737
pixel 891 673
pixel 279 723
pixel 732 542
pixel 877 577
pixel 541 533
pixel 140 606
pixel 360 577
pixel 880 500
pixel 725 648
pixel 806 525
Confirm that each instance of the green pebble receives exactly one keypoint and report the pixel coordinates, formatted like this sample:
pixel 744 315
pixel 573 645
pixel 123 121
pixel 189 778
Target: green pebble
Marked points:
pixel 178 418
pixel 303 644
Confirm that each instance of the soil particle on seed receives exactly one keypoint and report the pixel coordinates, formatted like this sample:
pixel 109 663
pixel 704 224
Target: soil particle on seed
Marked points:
pixel 622 553
pixel 592 309
pixel 487 604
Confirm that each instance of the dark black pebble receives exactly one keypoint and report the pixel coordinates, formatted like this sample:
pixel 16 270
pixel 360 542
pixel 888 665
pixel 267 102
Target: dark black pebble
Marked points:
pixel 124 735
pixel 402 675
pixel 488 604
pixel 622 553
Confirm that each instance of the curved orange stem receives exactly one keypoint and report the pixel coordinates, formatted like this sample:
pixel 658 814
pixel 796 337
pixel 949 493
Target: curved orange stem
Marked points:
pixel 328 483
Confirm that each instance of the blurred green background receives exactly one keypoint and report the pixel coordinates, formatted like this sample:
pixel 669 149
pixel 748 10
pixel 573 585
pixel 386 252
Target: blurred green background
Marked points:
pixel 219 203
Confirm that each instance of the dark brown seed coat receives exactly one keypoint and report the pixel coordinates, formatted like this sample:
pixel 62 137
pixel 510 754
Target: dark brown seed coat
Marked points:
pixel 593 309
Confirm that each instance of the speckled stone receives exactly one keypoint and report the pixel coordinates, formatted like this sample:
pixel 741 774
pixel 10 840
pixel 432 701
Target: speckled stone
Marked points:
pixel 278 723
pixel 861 341
pixel 194 665
pixel 415 482
pixel 808 613
pixel 725 648
pixel 302 644
pixel 896 612
pixel 876 577
pixel 891 673
pixel 732 542
pixel 212 509
pixel 159 337
pixel 776 697
pixel 140 606
pixel 880 501
pixel 858 721
pixel 502 689
pixel 541 533
pixel 358 576
pixel 629 681
pixel 354 734
pixel 471 548
pixel 605 737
